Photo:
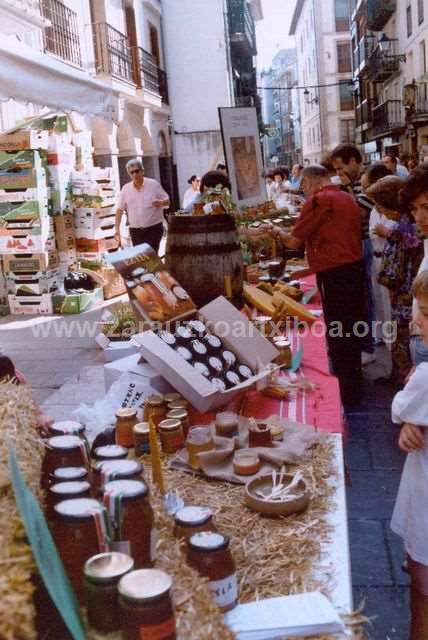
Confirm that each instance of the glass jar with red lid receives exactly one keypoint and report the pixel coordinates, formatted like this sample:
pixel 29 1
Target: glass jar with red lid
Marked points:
pixel 209 554
pixel 127 502
pixel 63 451
pixel 80 529
pixel 145 601
pixel 102 574
pixel 109 470
pixel 65 491
pixel 190 520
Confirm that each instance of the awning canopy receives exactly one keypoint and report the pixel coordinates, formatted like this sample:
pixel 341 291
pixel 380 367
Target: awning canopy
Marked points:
pixel 27 75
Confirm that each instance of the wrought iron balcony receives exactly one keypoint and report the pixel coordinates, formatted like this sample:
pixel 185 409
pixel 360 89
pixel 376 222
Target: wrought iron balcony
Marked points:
pixel 421 103
pixel 379 12
pixel 163 86
pixel 113 54
pixel 363 52
pixel 242 31
pixel 147 74
pixel 62 36
pixel 388 118
pixel 383 64
pixel 363 114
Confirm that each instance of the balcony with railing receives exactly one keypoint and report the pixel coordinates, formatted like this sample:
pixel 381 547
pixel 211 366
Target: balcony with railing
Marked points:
pixel 362 52
pixel 421 101
pixel 363 115
pixel 113 54
pixel 388 118
pixel 61 37
pixel 242 31
pixel 379 12
pixel 385 63
pixel 147 75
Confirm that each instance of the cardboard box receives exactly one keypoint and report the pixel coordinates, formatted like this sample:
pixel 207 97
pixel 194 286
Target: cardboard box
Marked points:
pixel 40 192
pixel 89 212
pixel 24 215
pixel 67 259
pixel 115 283
pixel 30 283
pixel 64 232
pixel 30 262
pixel 26 139
pixel 30 305
pixel 133 364
pixel 88 246
pixel 250 346
pixel 21 170
pixel 61 201
pixel 14 241
pixel 76 303
pixel 96 229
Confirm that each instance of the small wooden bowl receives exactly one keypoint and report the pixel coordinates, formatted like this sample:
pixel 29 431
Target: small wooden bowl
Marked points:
pixel 270 507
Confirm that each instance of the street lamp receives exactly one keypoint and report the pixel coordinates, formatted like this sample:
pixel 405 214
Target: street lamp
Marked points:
pixel 385 43
pixel 309 100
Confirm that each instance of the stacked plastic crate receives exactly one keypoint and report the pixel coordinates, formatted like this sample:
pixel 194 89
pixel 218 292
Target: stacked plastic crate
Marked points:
pixel 27 242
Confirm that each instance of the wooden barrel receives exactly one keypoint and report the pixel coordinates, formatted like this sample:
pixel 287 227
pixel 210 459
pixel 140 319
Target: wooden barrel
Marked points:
pixel 201 251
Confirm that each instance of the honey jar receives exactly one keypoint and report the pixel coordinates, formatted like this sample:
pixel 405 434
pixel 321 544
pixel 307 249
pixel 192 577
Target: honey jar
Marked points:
pixel 141 433
pixel 226 424
pixel 259 435
pixel 190 520
pixel 209 554
pixel 80 530
pixel 172 397
pixel 265 325
pixel 181 403
pixel 111 452
pixel 125 421
pixel 66 491
pixel 182 415
pixel 146 606
pixel 63 451
pixel 109 470
pixel 101 578
pixel 154 408
pixel 246 463
pixel 171 435
pixel 199 439
pixel 127 502
pixel 69 474
pixel 285 357
pixel 66 428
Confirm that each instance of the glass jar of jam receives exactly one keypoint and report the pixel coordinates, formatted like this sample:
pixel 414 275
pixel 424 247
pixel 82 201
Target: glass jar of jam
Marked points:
pixel 69 474
pixel 232 379
pixel 197 327
pixel 154 408
pixel 209 553
pixel 246 463
pixel 146 605
pixel 216 365
pixel 199 439
pixel 80 529
pixel 213 342
pixel 66 491
pixel 183 333
pixel 141 434
pixel 218 384
pixel 181 403
pixel 111 452
pixel 172 397
pixel 259 435
pixel 226 424
pixel 101 578
pixel 202 369
pixel 107 471
pixel 229 358
pixel 285 357
pixel 182 415
pixel 128 504
pixel 199 348
pixel 171 435
pixel 63 451
pixel 66 428
pixel 245 372
pixel 125 421
pixel 190 520
pixel 185 353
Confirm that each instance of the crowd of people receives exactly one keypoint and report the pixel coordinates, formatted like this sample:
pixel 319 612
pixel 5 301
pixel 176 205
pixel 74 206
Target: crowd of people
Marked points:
pixel 365 232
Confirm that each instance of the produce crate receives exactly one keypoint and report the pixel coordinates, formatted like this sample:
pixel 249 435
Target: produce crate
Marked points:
pixel 23 215
pixel 21 170
pixel 29 305
pixel 76 303
pixel 33 282
pixel 31 262
pixel 23 140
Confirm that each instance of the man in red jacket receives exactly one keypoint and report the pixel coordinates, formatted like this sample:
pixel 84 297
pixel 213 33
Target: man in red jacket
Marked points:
pixel 329 227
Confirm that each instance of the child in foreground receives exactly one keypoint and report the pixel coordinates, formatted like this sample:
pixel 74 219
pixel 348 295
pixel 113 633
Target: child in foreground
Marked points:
pixel 410 517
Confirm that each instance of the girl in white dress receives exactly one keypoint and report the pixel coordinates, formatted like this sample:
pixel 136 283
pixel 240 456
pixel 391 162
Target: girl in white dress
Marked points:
pixel 410 517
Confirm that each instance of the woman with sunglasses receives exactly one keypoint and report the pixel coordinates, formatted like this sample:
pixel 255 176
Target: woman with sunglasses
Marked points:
pixel 143 201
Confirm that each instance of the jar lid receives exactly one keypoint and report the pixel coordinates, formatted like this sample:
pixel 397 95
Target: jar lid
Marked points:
pixel 226 418
pixel 78 508
pixel 184 353
pixel 126 413
pixel 178 404
pixel 281 344
pixel 177 414
pixel 215 363
pixel 245 371
pixel 229 357
pixel 193 516
pixel 106 566
pixel 184 332
pixel 199 347
pixel 145 584
pixel 70 473
pixel 67 427
pixel 213 341
pixel 154 401
pixel 142 428
pixel 64 442
pixel 218 384
pixel 167 337
pixel 110 451
pixel 169 425
pixel 202 369
pixel 114 468
pixel 64 488
pixel 197 326
pixel 233 378
pixel 172 397
pixel 263 319
pixel 208 541
pixel 126 488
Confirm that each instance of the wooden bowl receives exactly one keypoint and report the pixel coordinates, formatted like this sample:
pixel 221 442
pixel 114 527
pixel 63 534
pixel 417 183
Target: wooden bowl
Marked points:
pixel 270 507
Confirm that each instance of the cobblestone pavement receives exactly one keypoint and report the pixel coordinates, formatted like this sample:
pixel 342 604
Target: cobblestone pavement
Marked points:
pixel 51 351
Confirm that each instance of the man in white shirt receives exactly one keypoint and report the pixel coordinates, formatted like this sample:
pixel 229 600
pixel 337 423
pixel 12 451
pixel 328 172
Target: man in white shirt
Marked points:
pixel 397 169
pixel 415 197
pixel 143 201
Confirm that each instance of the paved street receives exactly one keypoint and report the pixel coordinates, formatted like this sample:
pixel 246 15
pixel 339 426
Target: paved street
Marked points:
pixel 373 459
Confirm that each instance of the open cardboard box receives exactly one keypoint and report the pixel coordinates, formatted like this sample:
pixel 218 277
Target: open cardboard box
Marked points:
pixel 237 333
pixel 133 364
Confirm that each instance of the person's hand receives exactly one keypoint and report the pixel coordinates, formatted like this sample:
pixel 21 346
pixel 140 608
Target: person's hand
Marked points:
pixel 411 438
pixel 381 231
pixel 157 203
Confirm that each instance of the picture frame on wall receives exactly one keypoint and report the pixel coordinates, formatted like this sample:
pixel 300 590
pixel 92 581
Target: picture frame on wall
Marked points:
pixel 243 155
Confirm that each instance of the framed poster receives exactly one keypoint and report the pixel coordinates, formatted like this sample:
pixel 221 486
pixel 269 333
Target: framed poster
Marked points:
pixel 242 150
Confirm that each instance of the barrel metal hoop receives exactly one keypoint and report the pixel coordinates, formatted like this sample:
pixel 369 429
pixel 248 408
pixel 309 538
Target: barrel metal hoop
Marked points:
pixel 202 251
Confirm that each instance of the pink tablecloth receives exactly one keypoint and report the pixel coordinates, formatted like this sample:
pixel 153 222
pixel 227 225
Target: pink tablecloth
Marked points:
pixel 321 408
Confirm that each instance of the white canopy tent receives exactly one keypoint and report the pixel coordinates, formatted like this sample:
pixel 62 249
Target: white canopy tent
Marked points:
pixel 27 75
